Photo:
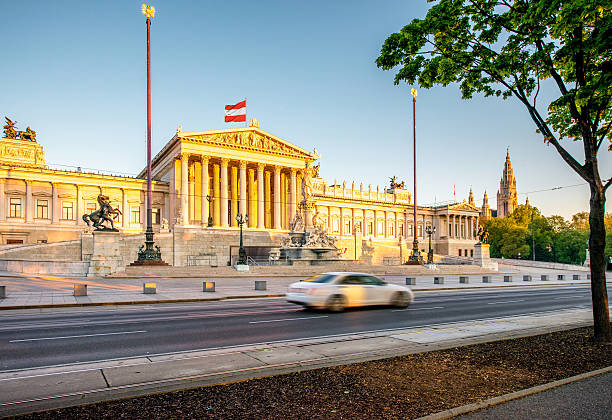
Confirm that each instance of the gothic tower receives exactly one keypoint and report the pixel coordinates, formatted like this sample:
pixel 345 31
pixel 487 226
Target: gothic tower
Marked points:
pixel 485 211
pixel 471 198
pixel 506 195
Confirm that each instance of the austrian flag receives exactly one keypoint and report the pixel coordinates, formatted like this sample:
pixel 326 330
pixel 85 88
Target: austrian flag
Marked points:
pixel 236 112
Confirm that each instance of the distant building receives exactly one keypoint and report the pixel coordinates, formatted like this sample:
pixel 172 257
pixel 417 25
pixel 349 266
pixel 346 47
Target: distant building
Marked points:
pixel 506 195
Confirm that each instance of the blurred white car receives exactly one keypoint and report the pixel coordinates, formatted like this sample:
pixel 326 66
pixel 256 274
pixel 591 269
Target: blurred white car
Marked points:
pixel 336 291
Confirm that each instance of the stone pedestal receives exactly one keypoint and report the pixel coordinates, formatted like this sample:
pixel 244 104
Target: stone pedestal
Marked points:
pixel 106 257
pixel 482 257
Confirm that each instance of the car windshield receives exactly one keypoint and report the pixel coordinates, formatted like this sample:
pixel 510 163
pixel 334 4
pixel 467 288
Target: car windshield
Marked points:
pixel 321 278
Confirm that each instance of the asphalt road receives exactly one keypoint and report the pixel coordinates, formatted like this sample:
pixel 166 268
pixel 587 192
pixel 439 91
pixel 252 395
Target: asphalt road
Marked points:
pixel 71 335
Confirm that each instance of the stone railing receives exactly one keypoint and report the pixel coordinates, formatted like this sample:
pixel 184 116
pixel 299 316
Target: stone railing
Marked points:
pixel 341 191
pixel 540 264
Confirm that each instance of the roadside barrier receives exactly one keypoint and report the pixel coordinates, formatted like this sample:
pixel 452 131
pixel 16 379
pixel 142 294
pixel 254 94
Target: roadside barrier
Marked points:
pixel 149 288
pixel 80 290
pixel 260 285
pixel 208 286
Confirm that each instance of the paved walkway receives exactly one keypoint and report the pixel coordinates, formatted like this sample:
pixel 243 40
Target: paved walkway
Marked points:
pixel 589 398
pixel 45 291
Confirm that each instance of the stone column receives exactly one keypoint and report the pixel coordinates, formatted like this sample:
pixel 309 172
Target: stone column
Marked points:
pixel 79 205
pixel 216 196
pixel 277 206
pixel 185 188
pixel 55 211
pixel 386 226
pixel 293 193
pixel 283 199
pixel 260 196
pixel 29 208
pixel 204 191
pixel 125 218
pixel 268 200
pixel 224 221
pixel 172 198
pixel 329 219
pixel 234 196
pixel 243 188
pixel 341 222
pixel 396 231
pixel 252 206
pixel 3 200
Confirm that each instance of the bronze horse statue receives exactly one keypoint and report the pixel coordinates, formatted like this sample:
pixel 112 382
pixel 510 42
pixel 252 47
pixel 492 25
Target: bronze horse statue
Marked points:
pixel 102 215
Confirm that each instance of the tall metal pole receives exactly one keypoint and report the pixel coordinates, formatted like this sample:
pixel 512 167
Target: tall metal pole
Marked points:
pixel 149 207
pixel 147 255
pixel 415 243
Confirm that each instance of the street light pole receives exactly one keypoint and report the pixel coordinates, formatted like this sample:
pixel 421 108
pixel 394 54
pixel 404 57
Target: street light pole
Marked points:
pixel 416 257
pixel 242 260
pixel 430 231
pixel 149 255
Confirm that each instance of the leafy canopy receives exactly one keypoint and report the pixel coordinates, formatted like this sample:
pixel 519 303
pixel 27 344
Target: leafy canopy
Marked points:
pixel 507 48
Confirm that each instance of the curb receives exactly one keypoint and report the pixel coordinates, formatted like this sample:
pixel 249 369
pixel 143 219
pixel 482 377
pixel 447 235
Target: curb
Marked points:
pixel 135 302
pixel 457 411
pixel 277 295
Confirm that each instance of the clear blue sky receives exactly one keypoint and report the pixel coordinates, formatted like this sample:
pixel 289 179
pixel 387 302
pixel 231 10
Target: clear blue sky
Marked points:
pixel 75 72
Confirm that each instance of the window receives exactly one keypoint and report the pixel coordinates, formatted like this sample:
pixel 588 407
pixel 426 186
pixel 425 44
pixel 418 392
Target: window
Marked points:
pixel 155 216
pixel 335 224
pixel 391 228
pixel 67 210
pixel 420 231
pixel 459 252
pixel 381 228
pixel 42 209
pixel 91 207
pixel 347 227
pixel 401 230
pixel 15 208
pixel 370 228
pixel 135 215
pixel 410 232
pixel 14 241
pixel 450 228
pixel 471 252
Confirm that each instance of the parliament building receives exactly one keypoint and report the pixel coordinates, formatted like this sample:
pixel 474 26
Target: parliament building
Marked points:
pixel 202 180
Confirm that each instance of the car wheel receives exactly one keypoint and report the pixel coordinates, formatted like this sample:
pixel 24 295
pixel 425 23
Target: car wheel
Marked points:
pixel 336 303
pixel 400 300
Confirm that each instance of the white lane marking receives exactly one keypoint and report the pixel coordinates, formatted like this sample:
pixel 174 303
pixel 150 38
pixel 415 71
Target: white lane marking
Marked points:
pixel 288 319
pixel 417 309
pixel 506 301
pixel 571 297
pixel 76 336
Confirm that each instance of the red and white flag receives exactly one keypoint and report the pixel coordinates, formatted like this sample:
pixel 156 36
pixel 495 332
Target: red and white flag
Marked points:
pixel 236 113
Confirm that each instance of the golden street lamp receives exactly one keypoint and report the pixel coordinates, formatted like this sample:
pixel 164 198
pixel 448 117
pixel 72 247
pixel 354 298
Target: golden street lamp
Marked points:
pixel 149 255
pixel 415 258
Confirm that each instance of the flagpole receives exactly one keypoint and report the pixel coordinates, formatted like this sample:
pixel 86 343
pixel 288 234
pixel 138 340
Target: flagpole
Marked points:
pixel 246 113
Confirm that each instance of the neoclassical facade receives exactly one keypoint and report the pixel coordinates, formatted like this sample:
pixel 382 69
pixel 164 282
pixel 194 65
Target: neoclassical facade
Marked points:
pixel 202 180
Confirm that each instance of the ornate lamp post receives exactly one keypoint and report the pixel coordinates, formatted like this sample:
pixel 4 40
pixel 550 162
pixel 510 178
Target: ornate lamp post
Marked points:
pixel 415 258
pixel 149 255
pixel 242 260
pixel 430 231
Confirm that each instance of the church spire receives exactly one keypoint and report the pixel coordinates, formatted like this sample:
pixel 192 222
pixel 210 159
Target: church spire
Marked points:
pixel 507 195
pixel 471 197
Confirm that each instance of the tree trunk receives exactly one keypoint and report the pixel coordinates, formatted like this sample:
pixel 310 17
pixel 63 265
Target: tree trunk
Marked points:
pixel 597 244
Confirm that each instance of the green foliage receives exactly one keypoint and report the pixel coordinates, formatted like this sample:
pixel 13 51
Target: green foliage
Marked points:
pixel 507 48
pixel 554 238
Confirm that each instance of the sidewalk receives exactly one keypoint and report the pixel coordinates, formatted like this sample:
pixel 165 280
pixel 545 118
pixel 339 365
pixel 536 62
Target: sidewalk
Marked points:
pixel 45 388
pixel 24 292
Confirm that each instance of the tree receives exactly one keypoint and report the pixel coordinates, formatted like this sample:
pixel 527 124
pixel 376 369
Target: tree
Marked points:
pixel 508 48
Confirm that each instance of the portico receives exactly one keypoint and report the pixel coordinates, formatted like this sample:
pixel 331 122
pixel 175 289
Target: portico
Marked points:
pixel 214 175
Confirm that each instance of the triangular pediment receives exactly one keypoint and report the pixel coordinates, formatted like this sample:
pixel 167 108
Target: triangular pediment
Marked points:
pixel 250 138
pixel 464 206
